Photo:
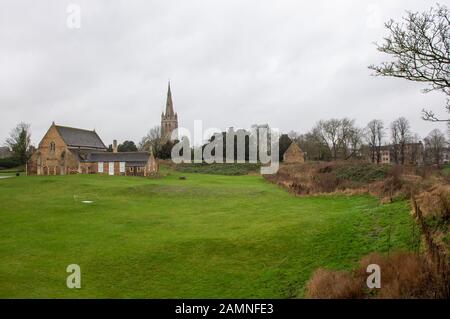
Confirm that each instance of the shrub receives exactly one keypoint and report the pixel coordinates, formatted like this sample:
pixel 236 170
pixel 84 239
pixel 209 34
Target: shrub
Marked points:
pixel 393 182
pixel 424 171
pixel 299 188
pixel 436 202
pixel 403 275
pixel 9 162
pixel 326 182
pixel 326 284
pixel 361 172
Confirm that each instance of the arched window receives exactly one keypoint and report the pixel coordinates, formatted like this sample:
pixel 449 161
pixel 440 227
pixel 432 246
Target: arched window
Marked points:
pixel 62 159
pixel 52 146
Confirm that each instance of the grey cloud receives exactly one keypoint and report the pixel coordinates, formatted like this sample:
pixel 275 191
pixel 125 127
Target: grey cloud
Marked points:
pixel 231 63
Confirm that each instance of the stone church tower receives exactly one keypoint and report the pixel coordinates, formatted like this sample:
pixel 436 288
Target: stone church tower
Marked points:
pixel 169 120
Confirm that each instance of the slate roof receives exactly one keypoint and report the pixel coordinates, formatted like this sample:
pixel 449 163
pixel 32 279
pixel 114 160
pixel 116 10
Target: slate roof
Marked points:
pixel 128 157
pixel 294 147
pixel 75 137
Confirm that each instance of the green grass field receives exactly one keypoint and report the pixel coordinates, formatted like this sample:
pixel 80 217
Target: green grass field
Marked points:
pixel 203 237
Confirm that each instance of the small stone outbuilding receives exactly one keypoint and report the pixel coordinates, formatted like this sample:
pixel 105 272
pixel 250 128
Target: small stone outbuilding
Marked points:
pixel 294 154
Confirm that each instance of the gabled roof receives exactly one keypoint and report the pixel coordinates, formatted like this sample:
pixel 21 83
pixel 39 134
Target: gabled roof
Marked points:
pixel 116 157
pixel 76 137
pixel 294 147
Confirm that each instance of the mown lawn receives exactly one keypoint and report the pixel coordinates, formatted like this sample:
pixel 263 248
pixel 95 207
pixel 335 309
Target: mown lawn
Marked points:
pixel 203 237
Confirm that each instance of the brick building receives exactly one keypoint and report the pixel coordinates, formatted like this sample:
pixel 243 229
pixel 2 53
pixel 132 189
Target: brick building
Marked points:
pixel 67 150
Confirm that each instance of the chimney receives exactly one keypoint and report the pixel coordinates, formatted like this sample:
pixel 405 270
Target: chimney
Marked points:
pixel 114 146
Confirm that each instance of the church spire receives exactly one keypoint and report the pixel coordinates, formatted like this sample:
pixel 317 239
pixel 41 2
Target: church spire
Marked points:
pixel 169 120
pixel 169 104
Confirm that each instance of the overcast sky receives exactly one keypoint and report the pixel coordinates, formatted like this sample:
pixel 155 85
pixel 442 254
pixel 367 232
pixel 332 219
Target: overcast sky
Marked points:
pixel 230 63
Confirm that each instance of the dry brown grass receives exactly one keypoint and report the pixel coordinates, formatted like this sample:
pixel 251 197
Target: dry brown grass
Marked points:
pixel 403 275
pixel 435 202
pixel 327 177
pixel 311 178
pixel 400 183
pixel 326 284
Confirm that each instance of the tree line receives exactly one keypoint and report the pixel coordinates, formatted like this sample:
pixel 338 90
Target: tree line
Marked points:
pixel 335 139
pixel 328 140
pixel 341 139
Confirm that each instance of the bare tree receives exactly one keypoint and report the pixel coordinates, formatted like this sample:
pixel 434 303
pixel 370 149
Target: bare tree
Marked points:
pixel 314 146
pixel 434 146
pixel 294 136
pixel 395 141
pixel 374 133
pixel 350 138
pixel 420 48
pixel 400 134
pixel 380 136
pixel 329 133
pixel 415 149
pixel 152 141
pixel 371 138
pixel 19 142
pixel 354 142
pixel 341 137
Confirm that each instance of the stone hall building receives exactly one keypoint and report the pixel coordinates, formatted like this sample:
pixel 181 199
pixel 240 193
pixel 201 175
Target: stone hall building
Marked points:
pixel 68 150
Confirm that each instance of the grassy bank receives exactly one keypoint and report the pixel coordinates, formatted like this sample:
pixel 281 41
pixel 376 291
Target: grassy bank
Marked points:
pixel 206 236
pixel 220 169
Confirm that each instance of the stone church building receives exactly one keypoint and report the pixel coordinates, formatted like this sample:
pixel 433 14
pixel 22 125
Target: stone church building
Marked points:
pixel 169 120
pixel 68 150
